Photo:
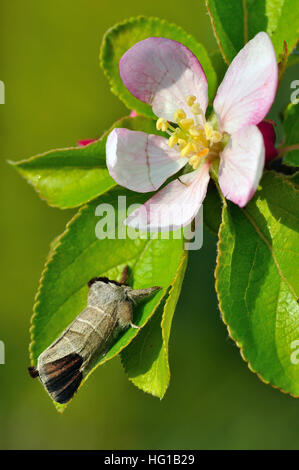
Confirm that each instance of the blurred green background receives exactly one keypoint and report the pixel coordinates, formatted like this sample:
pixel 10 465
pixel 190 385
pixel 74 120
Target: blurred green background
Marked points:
pixel 56 94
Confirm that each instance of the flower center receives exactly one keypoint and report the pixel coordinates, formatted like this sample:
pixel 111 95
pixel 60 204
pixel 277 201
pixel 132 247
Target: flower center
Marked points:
pixel 195 138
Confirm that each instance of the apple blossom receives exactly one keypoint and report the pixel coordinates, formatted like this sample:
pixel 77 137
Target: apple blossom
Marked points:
pixel 166 75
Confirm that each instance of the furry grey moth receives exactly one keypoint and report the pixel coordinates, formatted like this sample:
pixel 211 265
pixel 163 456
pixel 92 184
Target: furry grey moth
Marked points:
pixel 110 305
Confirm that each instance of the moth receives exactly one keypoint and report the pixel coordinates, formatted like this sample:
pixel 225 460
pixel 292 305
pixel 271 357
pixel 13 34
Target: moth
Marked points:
pixel 110 306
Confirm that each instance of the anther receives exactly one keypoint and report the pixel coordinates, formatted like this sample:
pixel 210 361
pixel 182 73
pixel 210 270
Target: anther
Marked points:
pixel 162 125
pixel 172 141
pixel 190 100
pixel 195 161
pixel 182 143
pixel 216 137
pixel 187 150
pixel 194 132
pixel 196 109
pixel 208 130
pixel 179 114
pixel 203 153
pixel 186 123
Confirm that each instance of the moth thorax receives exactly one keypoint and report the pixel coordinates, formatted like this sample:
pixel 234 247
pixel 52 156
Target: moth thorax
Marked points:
pixel 125 313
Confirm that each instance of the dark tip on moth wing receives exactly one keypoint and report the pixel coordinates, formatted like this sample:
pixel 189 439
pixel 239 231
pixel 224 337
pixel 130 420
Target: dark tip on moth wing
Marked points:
pixel 68 390
pixel 33 372
pixel 63 377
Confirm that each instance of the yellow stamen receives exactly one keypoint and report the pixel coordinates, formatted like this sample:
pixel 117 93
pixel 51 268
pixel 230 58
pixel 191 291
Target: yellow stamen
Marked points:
pixel 172 141
pixel 203 153
pixel 195 137
pixel 195 161
pixel 179 114
pixel 196 109
pixel 162 125
pixel 208 130
pixel 190 100
pixel 182 143
pixel 195 132
pixel 187 150
pixel 216 137
pixel 186 123
pixel 179 133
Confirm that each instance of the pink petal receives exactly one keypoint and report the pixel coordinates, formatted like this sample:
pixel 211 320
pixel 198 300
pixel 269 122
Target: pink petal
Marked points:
pixel 268 132
pixel 249 86
pixel 162 72
pixel 175 205
pixel 133 113
pixel 83 143
pixel 139 161
pixel 241 165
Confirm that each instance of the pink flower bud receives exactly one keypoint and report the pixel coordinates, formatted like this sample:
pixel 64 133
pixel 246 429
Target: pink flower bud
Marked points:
pixel 83 143
pixel 267 129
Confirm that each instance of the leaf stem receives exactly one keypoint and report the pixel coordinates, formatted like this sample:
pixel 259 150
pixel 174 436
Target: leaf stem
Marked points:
pixel 245 13
pixel 283 150
pixel 283 63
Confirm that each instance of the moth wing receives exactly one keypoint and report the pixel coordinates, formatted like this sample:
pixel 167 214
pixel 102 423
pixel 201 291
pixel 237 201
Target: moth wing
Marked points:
pixel 62 377
pixel 59 368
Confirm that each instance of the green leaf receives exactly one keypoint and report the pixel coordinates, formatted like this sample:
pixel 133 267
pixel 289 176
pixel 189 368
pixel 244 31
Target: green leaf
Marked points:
pixel 212 209
pixel 285 20
pixel 293 59
pixel 228 26
pixel 78 256
pixel 124 35
pixel 234 23
pixel 257 280
pixel 291 129
pixel 145 360
pixel 70 177
pixel 219 65
pixel 294 179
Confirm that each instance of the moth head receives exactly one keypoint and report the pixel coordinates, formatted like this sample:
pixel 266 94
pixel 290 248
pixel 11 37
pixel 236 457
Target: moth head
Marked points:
pixel 137 295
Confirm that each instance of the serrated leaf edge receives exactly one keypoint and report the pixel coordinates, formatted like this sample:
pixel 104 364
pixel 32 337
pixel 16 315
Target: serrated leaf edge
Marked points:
pixel 169 288
pixel 65 149
pixel 183 265
pixel 241 348
pixel 53 251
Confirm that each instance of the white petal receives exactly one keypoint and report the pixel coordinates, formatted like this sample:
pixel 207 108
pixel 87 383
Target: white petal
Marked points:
pixel 139 161
pixel 249 86
pixel 162 72
pixel 175 205
pixel 241 165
